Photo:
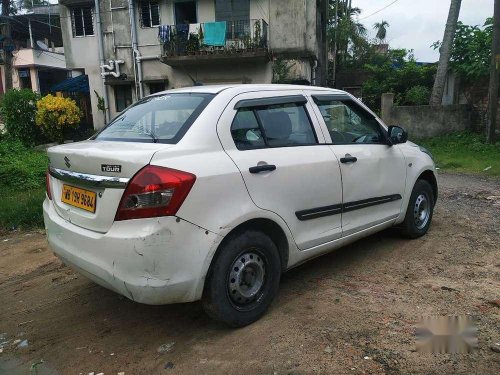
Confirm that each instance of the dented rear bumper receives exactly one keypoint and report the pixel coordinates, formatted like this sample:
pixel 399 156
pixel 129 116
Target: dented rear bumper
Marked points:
pixel 154 261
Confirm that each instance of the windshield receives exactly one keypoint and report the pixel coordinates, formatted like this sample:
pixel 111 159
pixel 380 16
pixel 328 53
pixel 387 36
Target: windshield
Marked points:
pixel 161 118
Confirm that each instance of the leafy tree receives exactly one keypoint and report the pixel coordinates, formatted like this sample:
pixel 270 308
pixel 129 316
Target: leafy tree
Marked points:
pixel 381 28
pixel 399 73
pixel 349 35
pixel 471 52
pixel 18 113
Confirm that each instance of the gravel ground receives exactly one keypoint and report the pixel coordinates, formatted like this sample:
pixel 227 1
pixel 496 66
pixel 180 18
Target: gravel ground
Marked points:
pixel 350 312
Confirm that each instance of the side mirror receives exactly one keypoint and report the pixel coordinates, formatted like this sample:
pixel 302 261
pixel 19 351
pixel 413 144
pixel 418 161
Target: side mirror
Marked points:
pixel 397 134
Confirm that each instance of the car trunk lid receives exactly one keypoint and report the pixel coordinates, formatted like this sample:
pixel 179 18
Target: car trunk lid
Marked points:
pixel 88 178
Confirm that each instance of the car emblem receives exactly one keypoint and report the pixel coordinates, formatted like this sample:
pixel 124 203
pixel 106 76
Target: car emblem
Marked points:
pixel 115 168
pixel 66 161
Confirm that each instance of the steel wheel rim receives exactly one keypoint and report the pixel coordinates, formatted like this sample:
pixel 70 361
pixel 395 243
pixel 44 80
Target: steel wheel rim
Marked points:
pixel 246 278
pixel 421 211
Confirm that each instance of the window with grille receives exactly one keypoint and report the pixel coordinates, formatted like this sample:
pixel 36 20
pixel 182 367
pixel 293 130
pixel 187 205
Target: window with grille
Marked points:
pixel 82 21
pixel 150 13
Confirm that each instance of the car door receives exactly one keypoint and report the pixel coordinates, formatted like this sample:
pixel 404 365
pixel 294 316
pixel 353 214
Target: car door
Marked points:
pixel 286 165
pixel 373 172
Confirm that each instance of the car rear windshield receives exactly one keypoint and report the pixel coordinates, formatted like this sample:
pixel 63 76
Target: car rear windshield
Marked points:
pixel 161 118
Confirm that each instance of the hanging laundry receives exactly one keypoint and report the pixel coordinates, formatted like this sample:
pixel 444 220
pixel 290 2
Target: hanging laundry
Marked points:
pixel 214 33
pixel 182 31
pixel 194 28
pixel 164 33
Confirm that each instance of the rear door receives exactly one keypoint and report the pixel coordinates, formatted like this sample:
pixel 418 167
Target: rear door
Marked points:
pixel 373 173
pixel 286 166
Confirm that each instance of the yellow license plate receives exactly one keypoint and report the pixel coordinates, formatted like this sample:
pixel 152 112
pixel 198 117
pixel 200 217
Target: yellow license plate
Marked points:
pixel 80 198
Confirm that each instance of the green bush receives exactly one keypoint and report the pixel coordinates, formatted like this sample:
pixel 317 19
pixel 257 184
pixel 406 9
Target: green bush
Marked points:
pixel 417 95
pixel 21 168
pixel 18 113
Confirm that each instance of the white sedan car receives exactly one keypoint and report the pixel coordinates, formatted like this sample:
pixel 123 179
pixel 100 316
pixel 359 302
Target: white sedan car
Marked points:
pixel 213 192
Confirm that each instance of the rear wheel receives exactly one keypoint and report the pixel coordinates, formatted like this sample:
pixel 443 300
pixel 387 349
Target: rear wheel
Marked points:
pixel 419 212
pixel 243 279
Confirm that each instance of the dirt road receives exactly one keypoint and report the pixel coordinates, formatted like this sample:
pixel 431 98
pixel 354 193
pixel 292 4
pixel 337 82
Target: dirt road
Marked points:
pixel 350 312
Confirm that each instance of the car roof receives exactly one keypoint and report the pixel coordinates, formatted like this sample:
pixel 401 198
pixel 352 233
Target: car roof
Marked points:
pixel 242 88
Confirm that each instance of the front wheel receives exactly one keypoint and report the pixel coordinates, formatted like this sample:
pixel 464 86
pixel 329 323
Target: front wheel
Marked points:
pixel 243 280
pixel 419 212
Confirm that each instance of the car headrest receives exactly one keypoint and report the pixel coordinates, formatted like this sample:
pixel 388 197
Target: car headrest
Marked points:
pixel 277 125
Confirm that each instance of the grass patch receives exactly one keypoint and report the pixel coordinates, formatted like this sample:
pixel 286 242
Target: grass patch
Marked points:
pixel 21 208
pixel 22 185
pixel 464 152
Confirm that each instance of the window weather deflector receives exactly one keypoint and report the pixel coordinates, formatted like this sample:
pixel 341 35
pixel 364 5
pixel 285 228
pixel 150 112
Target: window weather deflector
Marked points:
pixel 250 103
pixel 329 97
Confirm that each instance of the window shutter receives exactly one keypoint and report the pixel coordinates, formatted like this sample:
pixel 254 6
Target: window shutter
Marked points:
pixel 88 21
pixel 145 15
pixel 76 14
pixel 155 13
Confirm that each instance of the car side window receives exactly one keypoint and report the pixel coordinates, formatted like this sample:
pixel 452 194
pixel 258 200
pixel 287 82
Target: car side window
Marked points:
pixel 246 131
pixel 348 123
pixel 279 125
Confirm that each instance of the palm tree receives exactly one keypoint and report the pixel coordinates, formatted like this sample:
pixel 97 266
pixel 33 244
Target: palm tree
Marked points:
pixel 445 52
pixel 381 28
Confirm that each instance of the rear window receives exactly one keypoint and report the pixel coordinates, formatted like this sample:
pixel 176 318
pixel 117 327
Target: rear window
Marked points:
pixel 161 118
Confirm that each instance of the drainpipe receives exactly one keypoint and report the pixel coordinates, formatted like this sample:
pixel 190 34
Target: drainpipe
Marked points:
pixel 314 67
pixel 100 42
pixel 135 50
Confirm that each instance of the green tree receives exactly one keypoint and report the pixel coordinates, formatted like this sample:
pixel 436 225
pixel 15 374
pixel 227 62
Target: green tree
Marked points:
pixel 471 51
pixel 381 28
pixel 18 113
pixel 399 73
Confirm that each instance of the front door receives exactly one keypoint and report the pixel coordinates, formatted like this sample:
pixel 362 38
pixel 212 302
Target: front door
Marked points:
pixel 286 166
pixel 373 173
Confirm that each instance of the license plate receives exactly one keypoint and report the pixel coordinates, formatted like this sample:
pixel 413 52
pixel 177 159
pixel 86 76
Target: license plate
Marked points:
pixel 80 198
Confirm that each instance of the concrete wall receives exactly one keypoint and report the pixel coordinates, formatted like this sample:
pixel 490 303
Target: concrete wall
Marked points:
pixel 426 121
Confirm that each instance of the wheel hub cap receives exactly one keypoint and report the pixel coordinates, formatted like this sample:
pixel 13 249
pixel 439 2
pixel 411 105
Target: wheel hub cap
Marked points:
pixel 421 211
pixel 246 278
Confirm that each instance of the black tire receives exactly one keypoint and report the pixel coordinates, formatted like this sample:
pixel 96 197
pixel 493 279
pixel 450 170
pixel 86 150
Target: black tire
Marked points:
pixel 224 298
pixel 414 225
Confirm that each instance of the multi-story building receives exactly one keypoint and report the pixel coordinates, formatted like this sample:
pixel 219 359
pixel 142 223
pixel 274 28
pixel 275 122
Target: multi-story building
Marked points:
pixel 131 48
pixel 35 44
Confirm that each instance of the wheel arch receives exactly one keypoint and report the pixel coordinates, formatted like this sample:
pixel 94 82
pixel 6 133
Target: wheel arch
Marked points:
pixel 430 177
pixel 266 226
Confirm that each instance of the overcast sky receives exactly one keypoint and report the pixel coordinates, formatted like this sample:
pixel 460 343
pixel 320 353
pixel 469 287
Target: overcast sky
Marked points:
pixel 416 24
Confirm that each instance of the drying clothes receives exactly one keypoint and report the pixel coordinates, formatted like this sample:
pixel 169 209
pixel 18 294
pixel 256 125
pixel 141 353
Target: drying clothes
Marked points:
pixel 214 33
pixel 164 33
pixel 182 31
pixel 194 28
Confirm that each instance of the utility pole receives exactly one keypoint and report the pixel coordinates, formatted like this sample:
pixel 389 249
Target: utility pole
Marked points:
pixel 494 69
pixel 7 40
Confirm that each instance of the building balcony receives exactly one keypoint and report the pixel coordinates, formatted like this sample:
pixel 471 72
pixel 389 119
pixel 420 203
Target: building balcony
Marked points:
pixel 245 40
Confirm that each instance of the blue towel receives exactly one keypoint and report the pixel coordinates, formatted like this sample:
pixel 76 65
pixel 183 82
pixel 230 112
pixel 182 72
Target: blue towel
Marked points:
pixel 214 33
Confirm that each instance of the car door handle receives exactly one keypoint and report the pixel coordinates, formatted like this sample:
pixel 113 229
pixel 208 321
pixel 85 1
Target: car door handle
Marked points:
pixel 262 168
pixel 348 159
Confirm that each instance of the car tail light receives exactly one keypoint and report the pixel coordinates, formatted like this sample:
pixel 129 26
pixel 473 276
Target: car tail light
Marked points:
pixel 154 191
pixel 47 185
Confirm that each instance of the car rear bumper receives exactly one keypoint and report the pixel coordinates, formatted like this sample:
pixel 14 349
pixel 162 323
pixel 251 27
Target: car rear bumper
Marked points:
pixel 153 261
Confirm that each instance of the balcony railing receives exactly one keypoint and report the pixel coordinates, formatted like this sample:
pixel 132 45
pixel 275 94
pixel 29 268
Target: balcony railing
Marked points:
pixel 183 44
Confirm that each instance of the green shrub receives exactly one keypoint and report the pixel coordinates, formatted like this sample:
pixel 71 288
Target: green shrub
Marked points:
pixel 418 95
pixel 18 113
pixel 21 168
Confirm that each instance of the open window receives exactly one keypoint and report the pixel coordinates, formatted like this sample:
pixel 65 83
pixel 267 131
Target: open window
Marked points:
pixel 82 21
pixel 149 13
